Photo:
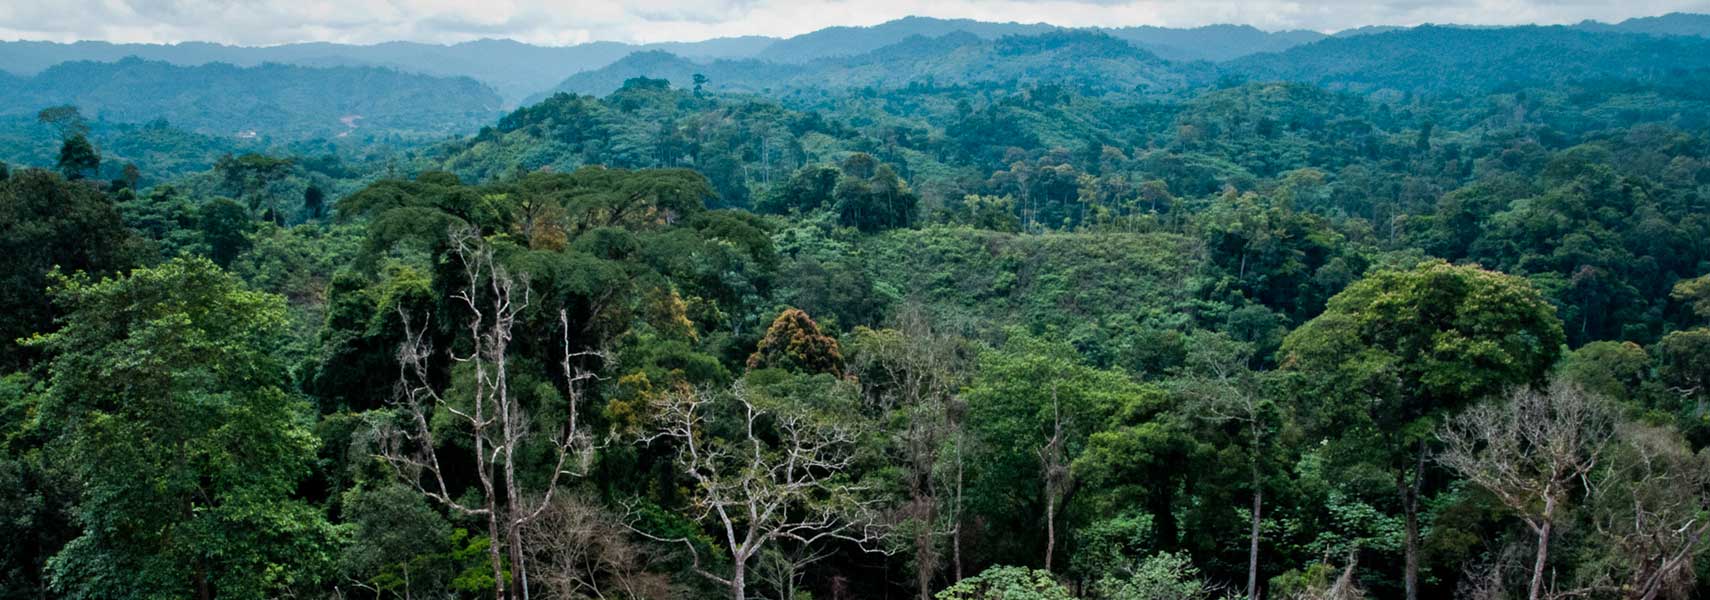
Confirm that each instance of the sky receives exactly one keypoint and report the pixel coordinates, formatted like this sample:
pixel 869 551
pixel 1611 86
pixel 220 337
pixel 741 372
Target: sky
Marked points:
pixel 561 22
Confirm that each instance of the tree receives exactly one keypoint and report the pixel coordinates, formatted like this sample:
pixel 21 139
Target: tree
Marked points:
pixel 314 201
pixel 794 341
pixel 1401 350
pixel 66 120
pixel 47 222
pixel 225 227
pixel 1531 451
pixel 1224 388
pixel 78 158
pixel 1007 583
pixel 172 397
pixel 780 475
pixel 578 549
pixel 871 196
pixel 1039 410
pixel 916 373
pixel 489 411
pixel 1648 515
pixel 249 178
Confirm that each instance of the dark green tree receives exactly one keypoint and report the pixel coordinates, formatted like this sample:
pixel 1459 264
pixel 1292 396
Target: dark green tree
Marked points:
pixel 1399 351
pixel 78 158
pixel 183 437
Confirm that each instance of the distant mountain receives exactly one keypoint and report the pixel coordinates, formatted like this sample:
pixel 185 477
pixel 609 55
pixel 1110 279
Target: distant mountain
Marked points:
pixel 1669 24
pixel 1434 59
pixel 1212 42
pixel 1084 58
pixel 512 68
pixel 273 101
pixel 833 42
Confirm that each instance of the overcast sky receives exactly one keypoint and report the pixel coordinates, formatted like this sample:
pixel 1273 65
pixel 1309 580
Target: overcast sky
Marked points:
pixel 262 22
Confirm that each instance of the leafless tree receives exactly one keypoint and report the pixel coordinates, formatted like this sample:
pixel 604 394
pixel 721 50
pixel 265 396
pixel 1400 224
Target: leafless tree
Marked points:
pixel 782 566
pixel 913 372
pixel 576 549
pixel 1650 515
pixel 1058 479
pixel 1531 451
pixel 755 492
pixel 492 415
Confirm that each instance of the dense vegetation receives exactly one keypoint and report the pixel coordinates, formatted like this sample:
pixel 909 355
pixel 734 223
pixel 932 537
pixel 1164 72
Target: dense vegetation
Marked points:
pixel 1419 313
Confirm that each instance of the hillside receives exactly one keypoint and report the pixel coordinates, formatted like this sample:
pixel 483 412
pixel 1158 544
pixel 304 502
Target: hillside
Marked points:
pixel 512 68
pixel 272 100
pixel 833 42
pixel 1080 58
pixel 1459 60
pixel 1212 42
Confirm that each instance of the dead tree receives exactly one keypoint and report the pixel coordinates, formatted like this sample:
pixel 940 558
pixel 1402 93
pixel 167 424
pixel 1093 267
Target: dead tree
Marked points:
pixel 1531 451
pixel 755 493
pixel 491 415
pixel 577 549
pixel 913 373
pixel 1058 479
pixel 1649 514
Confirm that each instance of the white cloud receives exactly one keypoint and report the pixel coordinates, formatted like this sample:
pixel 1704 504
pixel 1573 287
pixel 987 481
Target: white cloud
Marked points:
pixel 257 22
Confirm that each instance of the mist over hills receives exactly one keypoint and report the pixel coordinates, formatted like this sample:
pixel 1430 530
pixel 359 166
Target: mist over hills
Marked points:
pixel 512 68
pixel 1082 58
pixel 270 100
pixel 302 91
pixel 1455 59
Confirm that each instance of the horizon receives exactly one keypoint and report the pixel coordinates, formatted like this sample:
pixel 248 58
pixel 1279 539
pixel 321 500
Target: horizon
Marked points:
pixel 527 23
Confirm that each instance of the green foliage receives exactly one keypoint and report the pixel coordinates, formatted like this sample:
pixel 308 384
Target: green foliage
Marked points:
pixel 1007 583
pixel 47 222
pixel 181 355
pixel 1162 576
pixel 1417 344
pixel 78 158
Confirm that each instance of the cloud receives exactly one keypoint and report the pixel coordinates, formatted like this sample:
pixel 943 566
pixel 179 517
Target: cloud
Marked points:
pixel 261 22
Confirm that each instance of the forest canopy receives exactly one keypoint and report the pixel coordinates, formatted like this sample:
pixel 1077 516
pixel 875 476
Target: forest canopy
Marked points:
pixel 934 309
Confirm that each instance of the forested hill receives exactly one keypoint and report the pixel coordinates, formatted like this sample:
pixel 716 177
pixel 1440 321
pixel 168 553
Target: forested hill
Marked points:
pixel 512 68
pixel 1080 58
pixel 1464 60
pixel 273 101
pixel 1403 313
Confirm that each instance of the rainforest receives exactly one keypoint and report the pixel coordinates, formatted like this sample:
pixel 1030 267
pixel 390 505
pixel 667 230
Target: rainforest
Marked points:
pixel 943 309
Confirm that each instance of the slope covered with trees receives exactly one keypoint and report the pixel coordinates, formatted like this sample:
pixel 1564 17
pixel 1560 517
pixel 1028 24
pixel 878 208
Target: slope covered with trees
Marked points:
pixel 960 318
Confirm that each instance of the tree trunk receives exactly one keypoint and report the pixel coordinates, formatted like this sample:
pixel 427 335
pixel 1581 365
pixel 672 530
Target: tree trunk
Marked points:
pixel 1410 505
pixel 493 551
pixel 1050 529
pixel 1543 551
pixel 925 561
pixel 519 576
pixel 1253 540
pixel 739 581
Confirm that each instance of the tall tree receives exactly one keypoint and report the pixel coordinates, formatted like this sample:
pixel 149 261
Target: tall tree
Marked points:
pixel 78 158
pixel 47 222
pixel 1223 387
pixel 491 413
pixel 1401 350
pixel 915 374
pixel 185 441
